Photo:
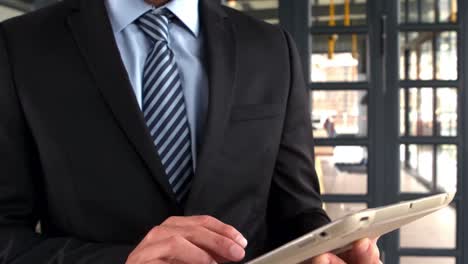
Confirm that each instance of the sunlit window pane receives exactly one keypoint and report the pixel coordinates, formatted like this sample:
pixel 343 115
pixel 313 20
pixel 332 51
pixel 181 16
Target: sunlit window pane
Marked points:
pixel 417 173
pixel 447 168
pixel 412 11
pixel 427 260
pixel 428 56
pixel 437 230
pixel 448 10
pixel 262 9
pixel 342 169
pixel 7 12
pixel 447 56
pixel 428 11
pixel 446 112
pixel 339 113
pixel 421 112
pixel 402 112
pixel 339 58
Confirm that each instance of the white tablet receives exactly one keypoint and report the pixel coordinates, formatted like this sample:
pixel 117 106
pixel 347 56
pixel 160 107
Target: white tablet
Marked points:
pixel 339 235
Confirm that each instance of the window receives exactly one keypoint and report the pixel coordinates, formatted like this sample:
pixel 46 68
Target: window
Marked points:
pixel 263 9
pixel 7 12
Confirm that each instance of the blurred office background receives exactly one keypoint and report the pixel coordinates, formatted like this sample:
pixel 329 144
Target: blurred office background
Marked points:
pixel 387 81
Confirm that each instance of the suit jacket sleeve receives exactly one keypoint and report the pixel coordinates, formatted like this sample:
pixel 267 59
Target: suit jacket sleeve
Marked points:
pixel 21 195
pixel 295 206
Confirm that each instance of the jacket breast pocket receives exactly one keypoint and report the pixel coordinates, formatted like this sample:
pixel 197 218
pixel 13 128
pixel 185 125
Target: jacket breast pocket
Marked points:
pixel 253 130
pixel 255 112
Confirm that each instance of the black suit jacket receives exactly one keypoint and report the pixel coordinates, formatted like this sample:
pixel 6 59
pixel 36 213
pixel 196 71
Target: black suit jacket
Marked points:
pixel 75 153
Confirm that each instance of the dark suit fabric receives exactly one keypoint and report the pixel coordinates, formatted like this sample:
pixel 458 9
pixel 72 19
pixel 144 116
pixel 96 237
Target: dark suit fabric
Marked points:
pixel 75 153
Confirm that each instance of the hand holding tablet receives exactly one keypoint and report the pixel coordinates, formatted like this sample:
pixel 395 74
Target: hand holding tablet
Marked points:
pixel 364 251
pixel 338 236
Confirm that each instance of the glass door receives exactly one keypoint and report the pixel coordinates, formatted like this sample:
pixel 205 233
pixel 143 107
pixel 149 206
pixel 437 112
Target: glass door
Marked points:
pixel 388 103
pixel 341 102
pixel 385 101
pixel 429 44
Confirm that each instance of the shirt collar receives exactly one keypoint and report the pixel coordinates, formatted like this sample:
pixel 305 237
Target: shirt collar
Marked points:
pixel 122 13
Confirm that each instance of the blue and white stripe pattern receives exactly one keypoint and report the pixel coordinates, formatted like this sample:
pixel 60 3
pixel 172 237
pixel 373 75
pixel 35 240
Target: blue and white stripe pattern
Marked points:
pixel 164 104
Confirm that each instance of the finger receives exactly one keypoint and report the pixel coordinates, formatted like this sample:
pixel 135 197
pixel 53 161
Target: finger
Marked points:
pixel 375 240
pixel 175 249
pixel 327 259
pixel 219 247
pixel 352 255
pixel 364 251
pixel 157 234
pixel 212 224
pixel 371 249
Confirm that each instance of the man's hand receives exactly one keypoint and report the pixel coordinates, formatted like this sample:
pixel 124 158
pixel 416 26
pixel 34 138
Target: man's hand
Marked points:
pixel 363 252
pixel 196 239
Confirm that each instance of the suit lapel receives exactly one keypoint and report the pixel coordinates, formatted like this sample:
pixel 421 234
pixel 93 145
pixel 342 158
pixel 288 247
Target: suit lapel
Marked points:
pixel 220 50
pixel 93 34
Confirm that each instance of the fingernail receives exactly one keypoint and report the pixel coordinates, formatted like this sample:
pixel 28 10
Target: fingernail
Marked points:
pixel 237 252
pixel 241 241
pixel 214 262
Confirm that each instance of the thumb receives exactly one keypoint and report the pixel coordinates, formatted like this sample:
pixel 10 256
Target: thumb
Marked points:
pixel 327 259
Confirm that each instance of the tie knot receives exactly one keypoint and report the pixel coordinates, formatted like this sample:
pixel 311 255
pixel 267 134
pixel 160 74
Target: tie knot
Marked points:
pixel 156 25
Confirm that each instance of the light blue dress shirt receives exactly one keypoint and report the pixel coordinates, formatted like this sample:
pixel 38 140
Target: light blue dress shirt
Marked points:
pixel 185 41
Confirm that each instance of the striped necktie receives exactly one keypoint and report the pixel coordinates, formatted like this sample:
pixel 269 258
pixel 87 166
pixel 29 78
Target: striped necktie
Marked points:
pixel 164 105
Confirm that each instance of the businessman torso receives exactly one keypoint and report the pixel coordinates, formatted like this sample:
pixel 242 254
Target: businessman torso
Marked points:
pixel 76 153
